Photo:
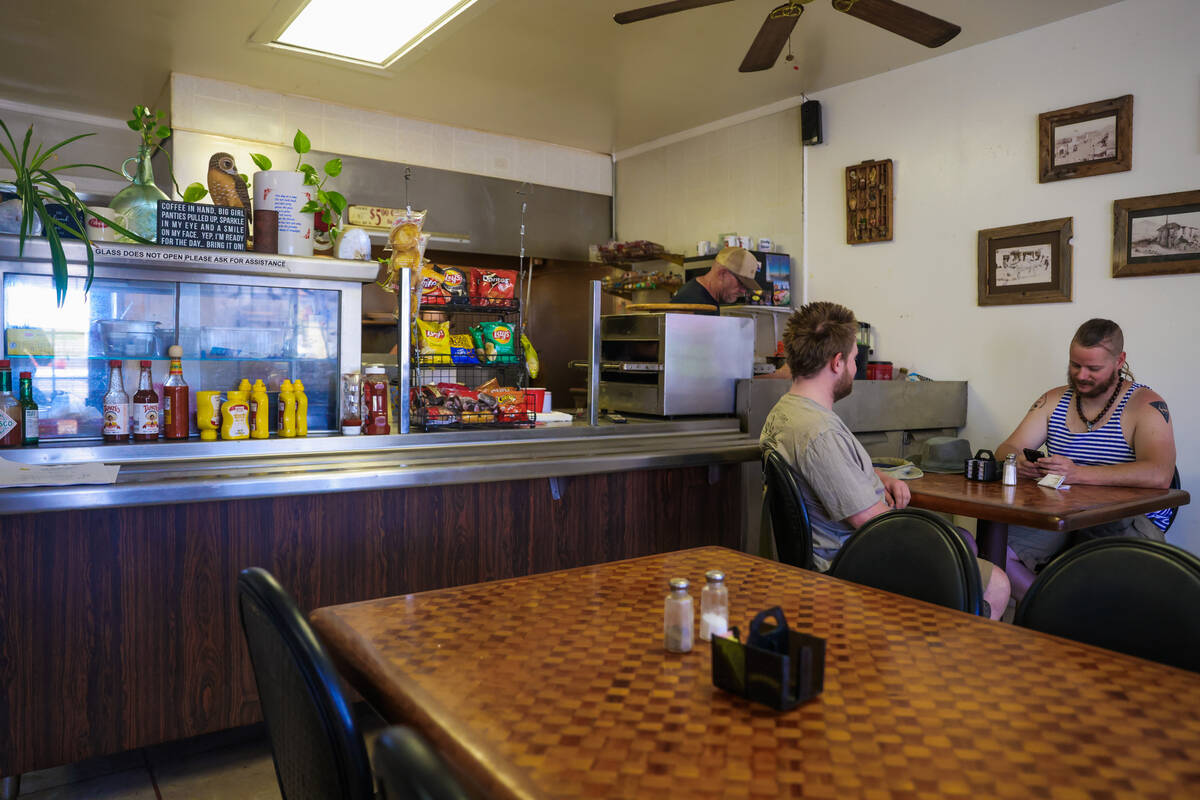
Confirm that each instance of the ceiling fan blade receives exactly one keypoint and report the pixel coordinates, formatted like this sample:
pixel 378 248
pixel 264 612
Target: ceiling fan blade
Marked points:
pixel 772 36
pixel 660 9
pixel 908 22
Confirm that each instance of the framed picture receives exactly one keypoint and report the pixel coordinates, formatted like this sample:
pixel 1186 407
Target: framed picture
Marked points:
pixel 1156 235
pixel 1091 139
pixel 869 202
pixel 1028 263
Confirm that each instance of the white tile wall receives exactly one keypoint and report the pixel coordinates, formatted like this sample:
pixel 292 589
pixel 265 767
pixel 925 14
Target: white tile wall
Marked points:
pixel 218 108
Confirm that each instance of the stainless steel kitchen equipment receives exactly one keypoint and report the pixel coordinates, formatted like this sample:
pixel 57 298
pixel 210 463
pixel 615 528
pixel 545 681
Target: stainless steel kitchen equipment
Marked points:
pixel 769 322
pixel 673 364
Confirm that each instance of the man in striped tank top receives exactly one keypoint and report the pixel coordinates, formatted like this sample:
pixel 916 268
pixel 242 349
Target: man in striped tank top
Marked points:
pixel 1101 428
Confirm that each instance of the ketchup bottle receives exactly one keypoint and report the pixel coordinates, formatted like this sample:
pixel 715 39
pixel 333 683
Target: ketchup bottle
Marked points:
pixel 176 418
pixel 145 407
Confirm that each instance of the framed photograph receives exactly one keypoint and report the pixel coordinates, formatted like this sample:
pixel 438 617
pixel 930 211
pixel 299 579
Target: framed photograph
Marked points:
pixel 1091 139
pixel 1028 263
pixel 1156 235
pixel 869 202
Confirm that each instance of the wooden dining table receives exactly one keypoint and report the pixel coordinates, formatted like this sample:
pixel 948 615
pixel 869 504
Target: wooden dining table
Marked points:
pixel 996 506
pixel 558 685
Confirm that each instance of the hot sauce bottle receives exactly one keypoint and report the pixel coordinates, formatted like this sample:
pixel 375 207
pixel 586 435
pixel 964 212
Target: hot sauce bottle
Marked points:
pixel 145 407
pixel 10 409
pixel 116 405
pixel 29 412
pixel 175 398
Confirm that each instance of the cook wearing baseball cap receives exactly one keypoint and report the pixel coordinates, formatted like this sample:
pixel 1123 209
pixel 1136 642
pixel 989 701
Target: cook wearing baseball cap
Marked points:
pixel 731 276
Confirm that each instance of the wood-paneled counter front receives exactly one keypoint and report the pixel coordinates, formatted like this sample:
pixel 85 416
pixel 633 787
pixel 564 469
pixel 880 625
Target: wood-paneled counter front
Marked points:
pixel 118 623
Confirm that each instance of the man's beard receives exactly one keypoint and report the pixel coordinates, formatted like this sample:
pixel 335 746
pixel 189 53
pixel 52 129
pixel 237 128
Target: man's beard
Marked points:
pixel 845 385
pixel 1096 389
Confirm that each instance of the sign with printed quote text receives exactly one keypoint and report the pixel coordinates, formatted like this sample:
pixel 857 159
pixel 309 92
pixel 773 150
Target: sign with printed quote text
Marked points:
pixel 201 225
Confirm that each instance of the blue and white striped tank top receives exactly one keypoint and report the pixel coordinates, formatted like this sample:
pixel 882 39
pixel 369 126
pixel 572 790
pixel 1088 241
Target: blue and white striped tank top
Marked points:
pixel 1099 447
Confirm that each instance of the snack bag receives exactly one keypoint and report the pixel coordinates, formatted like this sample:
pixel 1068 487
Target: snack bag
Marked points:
pixel 493 287
pixel 512 404
pixel 462 349
pixel 532 364
pixel 493 342
pixel 456 284
pixel 389 279
pixel 434 340
pixel 432 286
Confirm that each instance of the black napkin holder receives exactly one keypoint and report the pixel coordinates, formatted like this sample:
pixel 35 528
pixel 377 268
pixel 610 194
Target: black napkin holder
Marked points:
pixel 775 666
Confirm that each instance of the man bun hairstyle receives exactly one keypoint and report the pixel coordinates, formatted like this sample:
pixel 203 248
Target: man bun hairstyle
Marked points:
pixel 1104 333
pixel 815 334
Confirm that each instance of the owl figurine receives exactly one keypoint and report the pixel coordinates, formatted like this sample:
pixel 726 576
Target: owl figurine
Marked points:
pixel 226 186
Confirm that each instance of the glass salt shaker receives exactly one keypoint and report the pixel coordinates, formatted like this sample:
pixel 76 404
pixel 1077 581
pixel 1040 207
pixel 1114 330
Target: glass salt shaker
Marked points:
pixel 714 606
pixel 1009 476
pixel 677 617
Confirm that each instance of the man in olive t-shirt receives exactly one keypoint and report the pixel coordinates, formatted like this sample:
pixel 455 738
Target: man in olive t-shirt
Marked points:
pixel 841 489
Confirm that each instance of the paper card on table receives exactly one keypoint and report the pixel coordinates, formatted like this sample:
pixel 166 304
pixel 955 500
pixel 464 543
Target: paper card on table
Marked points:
pixel 13 473
pixel 1052 481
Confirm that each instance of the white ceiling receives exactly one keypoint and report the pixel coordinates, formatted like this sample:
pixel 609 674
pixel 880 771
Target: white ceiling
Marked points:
pixel 559 71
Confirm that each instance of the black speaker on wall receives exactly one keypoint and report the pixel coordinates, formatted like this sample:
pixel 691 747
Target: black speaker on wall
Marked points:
pixel 810 122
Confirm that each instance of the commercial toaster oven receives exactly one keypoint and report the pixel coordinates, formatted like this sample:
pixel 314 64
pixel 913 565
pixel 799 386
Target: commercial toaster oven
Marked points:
pixel 672 364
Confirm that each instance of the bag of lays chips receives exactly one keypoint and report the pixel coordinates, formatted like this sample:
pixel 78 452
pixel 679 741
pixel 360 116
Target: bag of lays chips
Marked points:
pixel 434 341
pixel 493 342
pixel 532 364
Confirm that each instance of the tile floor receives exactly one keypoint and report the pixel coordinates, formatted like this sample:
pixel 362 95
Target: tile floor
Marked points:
pixel 229 764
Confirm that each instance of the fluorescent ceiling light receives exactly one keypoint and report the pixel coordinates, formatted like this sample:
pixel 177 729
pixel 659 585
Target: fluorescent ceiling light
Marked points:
pixel 375 32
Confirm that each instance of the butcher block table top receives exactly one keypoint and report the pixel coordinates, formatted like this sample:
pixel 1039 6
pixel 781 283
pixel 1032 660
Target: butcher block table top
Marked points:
pixel 557 685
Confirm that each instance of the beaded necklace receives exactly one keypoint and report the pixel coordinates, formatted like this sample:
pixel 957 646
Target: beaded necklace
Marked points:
pixel 1107 406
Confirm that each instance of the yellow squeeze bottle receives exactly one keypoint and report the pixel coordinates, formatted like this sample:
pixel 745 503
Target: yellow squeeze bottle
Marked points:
pixel 235 416
pixel 301 408
pixel 244 386
pixel 287 410
pixel 260 412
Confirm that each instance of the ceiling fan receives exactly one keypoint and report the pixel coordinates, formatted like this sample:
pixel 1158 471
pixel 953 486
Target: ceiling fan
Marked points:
pixel 908 22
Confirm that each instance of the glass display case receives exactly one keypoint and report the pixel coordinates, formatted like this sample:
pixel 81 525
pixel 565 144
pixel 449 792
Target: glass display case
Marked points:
pixel 261 317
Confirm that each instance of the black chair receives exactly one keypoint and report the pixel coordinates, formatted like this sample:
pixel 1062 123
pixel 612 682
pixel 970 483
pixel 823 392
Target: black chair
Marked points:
pixel 913 553
pixel 789 517
pixel 317 747
pixel 408 769
pixel 1136 596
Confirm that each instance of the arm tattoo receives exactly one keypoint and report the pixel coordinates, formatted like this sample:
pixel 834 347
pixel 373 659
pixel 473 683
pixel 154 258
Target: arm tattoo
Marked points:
pixel 1041 401
pixel 1162 409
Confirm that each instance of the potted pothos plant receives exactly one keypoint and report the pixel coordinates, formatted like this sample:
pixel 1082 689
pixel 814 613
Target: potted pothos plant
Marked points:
pixel 327 204
pixel 37 185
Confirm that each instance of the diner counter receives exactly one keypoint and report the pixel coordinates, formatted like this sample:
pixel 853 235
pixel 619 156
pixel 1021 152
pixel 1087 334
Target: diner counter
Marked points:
pixel 171 472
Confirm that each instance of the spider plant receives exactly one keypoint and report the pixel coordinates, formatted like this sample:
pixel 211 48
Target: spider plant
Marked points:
pixel 37 184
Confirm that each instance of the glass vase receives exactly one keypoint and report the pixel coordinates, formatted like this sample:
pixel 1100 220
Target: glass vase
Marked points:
pixel 137 203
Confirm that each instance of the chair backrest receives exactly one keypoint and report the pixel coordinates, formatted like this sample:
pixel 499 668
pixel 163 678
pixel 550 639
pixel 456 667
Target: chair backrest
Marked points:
pixel 1137 596
pixel 913 553
pixel 789 517
pixel 317 747
pixel 407 768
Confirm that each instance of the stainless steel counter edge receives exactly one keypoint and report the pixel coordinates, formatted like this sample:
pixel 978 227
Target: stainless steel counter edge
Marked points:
pixel 444 463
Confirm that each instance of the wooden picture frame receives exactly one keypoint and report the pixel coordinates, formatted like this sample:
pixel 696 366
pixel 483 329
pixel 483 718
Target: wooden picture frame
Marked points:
pixel 1085 140
pixel 1029 263
pixel 869 202
pixel 1146 241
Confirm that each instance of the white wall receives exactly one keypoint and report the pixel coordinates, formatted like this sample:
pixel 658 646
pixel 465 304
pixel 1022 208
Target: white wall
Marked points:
pixel 746 178
pixel 962 130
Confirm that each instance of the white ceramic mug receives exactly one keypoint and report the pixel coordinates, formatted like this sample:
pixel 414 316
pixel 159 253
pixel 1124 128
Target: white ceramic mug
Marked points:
pixel 286 193
pixel 746 242
pixel 97 229
pixel 703 248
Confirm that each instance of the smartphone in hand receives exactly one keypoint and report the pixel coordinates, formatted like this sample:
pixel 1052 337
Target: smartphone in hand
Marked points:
pixel 1032 455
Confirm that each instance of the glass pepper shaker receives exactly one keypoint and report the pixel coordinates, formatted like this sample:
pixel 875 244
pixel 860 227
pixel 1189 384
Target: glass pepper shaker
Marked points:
pixel 677 617
pixel 714 605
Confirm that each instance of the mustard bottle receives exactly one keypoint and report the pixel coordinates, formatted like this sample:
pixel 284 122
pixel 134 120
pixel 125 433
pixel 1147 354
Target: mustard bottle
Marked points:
pixel 260 412
pixel 244 386
pixel 287 410
pixel 301 408
pixel 235 416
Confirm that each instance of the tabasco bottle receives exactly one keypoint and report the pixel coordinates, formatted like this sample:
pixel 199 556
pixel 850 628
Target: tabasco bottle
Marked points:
pixel 10 409
pixel 175 398
pixel 145 407
pixel 29 412
pixel 116 405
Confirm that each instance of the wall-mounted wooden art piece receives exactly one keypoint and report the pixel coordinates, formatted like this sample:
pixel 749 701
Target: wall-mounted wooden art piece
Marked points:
pixel 1091 139
pixel 869 202
pixel 1028 263
pixel 1156 235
